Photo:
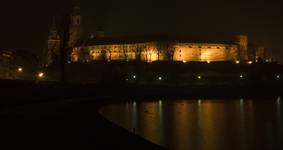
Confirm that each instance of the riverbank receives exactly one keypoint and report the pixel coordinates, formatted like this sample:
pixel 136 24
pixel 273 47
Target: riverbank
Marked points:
pixel 65 124
pixel 50 114
pixel 15 93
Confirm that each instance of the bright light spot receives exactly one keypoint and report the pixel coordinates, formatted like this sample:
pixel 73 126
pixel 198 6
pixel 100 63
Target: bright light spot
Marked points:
pixel 159 78
pixel 237 61
pixel 40 75
pixel 127 79
pixel 160 102
pixel 278 100
pixel 241 76
pixel 199 101
pixel 184 61
pixel 134 76
pixel 20 69
pixel 208 62
pixel 199 77
pixel 278 76
pixel 250 62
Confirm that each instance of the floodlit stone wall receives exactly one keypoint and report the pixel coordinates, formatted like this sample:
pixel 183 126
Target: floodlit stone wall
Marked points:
pixel 157 51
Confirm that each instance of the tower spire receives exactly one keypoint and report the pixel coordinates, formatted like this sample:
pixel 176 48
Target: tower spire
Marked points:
pixel 76 8
pixel 75 25
pixel 53 44
pixel 54 25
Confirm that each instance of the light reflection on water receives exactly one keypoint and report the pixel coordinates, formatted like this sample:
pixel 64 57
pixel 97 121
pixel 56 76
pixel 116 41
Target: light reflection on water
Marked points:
pixel 203 124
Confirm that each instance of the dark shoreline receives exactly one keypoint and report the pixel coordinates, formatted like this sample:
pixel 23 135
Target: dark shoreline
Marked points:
pixel 15 93
pixel 58 114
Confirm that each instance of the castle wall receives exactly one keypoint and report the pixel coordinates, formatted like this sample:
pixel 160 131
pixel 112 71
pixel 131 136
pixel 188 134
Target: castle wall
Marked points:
pixel 154 51
pixel 204 52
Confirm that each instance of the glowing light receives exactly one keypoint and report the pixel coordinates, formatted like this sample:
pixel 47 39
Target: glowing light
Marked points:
pixel 184 61
pixel 278 76
pixel 278 100
pixel 40 75
pixel 199 77
pixel 250 62
pixel 241 76
pixel 208 62
pixel 199 101
pixel 134 76
pixel 160 78
pixel 20 69
pixel 237 62
pixel 160 102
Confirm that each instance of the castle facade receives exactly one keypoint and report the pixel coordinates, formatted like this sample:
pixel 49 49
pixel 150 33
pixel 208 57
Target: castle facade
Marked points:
pixel 147 49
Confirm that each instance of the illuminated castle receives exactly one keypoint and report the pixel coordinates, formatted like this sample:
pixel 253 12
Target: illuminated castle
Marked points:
pixel 147 49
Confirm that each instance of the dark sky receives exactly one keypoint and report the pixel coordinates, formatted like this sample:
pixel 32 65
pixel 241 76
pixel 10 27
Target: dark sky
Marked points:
pixel 25 23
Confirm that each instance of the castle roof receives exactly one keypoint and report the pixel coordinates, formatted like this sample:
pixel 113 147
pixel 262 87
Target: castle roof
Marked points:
pixel 143 39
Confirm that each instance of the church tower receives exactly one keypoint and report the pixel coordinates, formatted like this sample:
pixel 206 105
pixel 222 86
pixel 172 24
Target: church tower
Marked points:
pixel 53 44
pixel 75 28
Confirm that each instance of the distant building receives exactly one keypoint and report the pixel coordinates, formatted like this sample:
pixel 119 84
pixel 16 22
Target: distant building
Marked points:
pixel 53 45
pixel 6 64
pixel 97 47
pixel 17 64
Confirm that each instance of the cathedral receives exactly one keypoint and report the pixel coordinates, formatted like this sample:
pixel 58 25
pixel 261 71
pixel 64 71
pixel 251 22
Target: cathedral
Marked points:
pixel 98 47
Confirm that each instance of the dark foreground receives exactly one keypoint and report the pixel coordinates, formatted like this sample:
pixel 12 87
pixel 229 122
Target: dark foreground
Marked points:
pixel 53 115
pixel 65 124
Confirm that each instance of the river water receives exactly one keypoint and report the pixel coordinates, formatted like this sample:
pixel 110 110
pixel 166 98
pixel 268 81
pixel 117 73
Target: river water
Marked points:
pixel 203 124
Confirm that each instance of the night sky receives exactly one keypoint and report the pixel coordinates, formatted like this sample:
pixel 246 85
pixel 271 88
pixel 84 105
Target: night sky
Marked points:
pixel 25 23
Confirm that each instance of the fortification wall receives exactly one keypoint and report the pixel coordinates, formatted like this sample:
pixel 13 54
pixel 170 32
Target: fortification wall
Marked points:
pixel 205 52
pixel 154 51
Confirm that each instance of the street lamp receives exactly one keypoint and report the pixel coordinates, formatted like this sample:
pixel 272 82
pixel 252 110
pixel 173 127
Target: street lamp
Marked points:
pixel 20 69
pixel 134 76
pixel 40 75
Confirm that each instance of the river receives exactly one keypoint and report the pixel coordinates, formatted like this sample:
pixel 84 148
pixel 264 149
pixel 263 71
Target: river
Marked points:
pixel 202 124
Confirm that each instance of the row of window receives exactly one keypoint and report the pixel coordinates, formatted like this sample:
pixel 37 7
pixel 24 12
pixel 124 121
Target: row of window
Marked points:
pixel 134 51
pixel 209 47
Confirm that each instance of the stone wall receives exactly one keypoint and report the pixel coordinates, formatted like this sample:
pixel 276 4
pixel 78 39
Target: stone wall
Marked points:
pixel 155 51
